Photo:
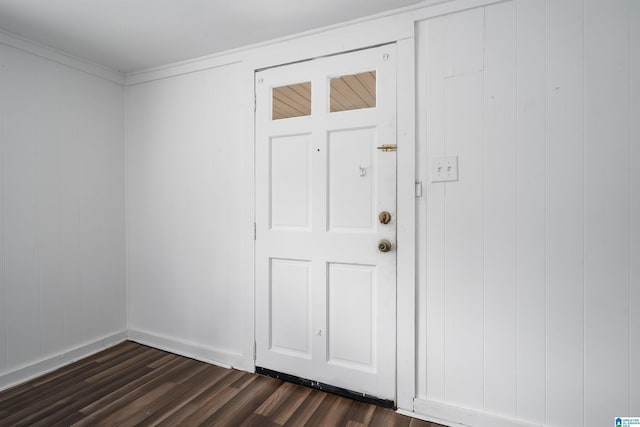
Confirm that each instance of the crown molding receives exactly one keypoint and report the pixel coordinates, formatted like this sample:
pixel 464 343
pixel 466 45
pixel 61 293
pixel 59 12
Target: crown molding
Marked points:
pixel 46 52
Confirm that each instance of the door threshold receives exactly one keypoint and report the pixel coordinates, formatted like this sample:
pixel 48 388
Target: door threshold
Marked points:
pixel 361 397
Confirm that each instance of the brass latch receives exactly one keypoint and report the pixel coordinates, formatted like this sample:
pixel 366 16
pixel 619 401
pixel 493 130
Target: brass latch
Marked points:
pixel 388 147
pixel 384 245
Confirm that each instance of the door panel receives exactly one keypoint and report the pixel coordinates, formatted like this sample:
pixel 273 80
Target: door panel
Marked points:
pixel 290 195
pixel 290 310
pixel 352 314
pixel 325 294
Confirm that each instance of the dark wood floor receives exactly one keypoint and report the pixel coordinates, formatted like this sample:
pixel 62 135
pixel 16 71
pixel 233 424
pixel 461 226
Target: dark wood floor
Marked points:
pixel 131 384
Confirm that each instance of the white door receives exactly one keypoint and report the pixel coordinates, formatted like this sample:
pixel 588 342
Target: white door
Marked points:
pixel 325 292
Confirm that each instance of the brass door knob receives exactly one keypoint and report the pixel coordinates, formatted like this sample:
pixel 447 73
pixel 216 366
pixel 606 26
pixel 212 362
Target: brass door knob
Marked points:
pixel 384 217
pixel 384 245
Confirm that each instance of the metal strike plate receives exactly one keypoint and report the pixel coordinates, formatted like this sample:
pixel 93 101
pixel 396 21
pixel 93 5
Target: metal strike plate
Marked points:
pixel 388 147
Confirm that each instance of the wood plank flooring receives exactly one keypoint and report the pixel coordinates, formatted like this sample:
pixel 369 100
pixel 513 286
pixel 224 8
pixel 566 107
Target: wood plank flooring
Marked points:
pixel 131 384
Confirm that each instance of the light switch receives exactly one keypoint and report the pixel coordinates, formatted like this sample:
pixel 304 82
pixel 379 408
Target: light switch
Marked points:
pixel 444 169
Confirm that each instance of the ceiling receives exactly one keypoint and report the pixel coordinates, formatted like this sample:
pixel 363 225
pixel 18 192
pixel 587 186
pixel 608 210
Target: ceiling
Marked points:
pixel 131 35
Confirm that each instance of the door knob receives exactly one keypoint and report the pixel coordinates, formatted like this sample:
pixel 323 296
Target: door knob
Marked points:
pixel 384 245
pixel 384 217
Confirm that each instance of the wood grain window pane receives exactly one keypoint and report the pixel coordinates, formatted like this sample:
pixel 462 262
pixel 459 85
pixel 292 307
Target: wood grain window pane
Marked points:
pixel 353 92
pixel 291 101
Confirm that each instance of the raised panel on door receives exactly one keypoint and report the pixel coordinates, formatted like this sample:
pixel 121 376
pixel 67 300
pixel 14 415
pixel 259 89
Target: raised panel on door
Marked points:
pixel 290 180
pixel 352 308
pixel 290 308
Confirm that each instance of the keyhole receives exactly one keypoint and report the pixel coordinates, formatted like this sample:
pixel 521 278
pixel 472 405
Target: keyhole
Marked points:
pixel 384 217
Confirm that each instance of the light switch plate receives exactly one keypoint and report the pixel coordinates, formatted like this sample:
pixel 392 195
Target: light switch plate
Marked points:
pixel 444 169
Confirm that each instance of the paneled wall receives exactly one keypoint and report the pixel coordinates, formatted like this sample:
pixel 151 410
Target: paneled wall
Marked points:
pixel 528 264
pixel 189 213
pixel 62 283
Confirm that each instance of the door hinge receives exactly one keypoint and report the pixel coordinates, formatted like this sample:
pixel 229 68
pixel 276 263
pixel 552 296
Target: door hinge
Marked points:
pixel 254 351
pixel 254 231
pixel 418 188
pixel 255 102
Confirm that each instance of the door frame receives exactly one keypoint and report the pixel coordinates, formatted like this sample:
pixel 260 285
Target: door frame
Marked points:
pixel 406 321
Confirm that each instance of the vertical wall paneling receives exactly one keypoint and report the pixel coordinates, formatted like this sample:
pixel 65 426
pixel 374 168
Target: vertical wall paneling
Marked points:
pixel 224 84
pixel 464 340
pixel 49 262
pixel 500 180
pixel 421 216
pixel 546 233
pixel 24 314
pixel 185 178
pixel 432 50
pixel 606 207
pixel 71 203
pixel 531 210
pixel 634 213
pixel 62 201
pixel 189 252
pixel 149 206
pixel 103 216
pixel 463 107
pixel 565 217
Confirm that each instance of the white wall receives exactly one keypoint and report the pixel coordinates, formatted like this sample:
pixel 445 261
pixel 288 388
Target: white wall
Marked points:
pixel 62 284
pixel 529 263
pixel 189 214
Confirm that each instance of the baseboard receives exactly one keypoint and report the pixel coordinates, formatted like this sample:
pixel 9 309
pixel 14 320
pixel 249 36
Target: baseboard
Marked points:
pixel 33 370
pixel 455 416
pixel 210 355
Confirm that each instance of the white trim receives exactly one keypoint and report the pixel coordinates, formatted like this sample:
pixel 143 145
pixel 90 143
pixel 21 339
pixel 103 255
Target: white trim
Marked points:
pixel 214 356
pixel 455 416
pixel 179 69
pixel 248 259
pixel 406 232
pixel 62 58
pixel 33 370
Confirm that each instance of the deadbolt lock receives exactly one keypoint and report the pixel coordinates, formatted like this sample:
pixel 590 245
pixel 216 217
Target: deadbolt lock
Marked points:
pixel 384 245
pixel 384 217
